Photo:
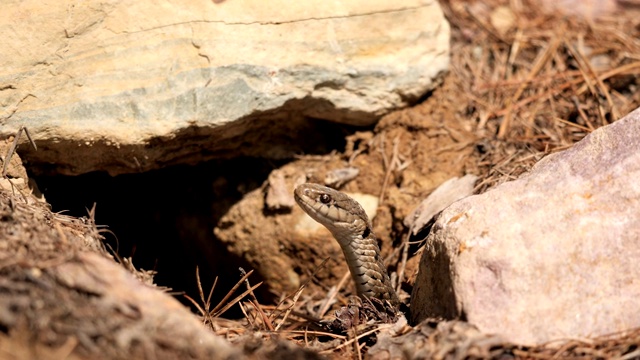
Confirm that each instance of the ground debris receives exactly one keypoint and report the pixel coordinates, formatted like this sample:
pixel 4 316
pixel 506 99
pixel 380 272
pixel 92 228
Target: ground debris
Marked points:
pixel 361 312
pixel 435 339
pixel 532 90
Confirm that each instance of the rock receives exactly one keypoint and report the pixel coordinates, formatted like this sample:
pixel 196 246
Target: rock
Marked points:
pixel 128 87
pixel 279 196
pixel 551 255
pixel 138 319
pixel 449 191
pixel 339 177
pixel 14 176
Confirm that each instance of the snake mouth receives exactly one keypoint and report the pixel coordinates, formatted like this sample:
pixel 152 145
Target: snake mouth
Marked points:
pixel 303 199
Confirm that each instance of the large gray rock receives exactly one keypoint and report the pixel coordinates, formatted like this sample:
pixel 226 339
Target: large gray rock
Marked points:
pixel 131 86
pixel 551 255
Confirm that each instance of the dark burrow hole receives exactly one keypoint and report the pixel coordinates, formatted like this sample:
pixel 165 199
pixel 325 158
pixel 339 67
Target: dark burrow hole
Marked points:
pixel 164 218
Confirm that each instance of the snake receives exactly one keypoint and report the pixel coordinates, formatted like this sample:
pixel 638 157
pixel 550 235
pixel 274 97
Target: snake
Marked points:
pixel 350 226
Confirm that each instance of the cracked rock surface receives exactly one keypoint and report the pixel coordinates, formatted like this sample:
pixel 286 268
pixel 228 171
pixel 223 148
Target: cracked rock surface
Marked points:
pixel 127 87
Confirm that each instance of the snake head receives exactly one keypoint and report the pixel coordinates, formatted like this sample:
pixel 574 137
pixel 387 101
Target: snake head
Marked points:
pixel 343 216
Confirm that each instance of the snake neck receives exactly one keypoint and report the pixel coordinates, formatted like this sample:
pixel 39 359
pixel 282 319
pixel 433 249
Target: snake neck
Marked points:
pixel 367 269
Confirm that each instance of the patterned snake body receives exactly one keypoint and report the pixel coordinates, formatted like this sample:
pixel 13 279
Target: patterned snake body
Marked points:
pixel 350 226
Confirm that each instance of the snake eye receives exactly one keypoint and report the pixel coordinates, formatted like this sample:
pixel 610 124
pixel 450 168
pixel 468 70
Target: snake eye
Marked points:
pixel 325 199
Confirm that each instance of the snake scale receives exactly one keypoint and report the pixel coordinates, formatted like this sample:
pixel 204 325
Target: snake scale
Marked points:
pixel 348 223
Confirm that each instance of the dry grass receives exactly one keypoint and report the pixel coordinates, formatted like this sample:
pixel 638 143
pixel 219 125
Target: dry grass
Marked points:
pixel 541 84
pixel 434 339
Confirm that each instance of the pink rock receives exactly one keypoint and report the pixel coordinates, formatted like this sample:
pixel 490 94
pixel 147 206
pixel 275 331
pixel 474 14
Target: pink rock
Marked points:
pixel 552 255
